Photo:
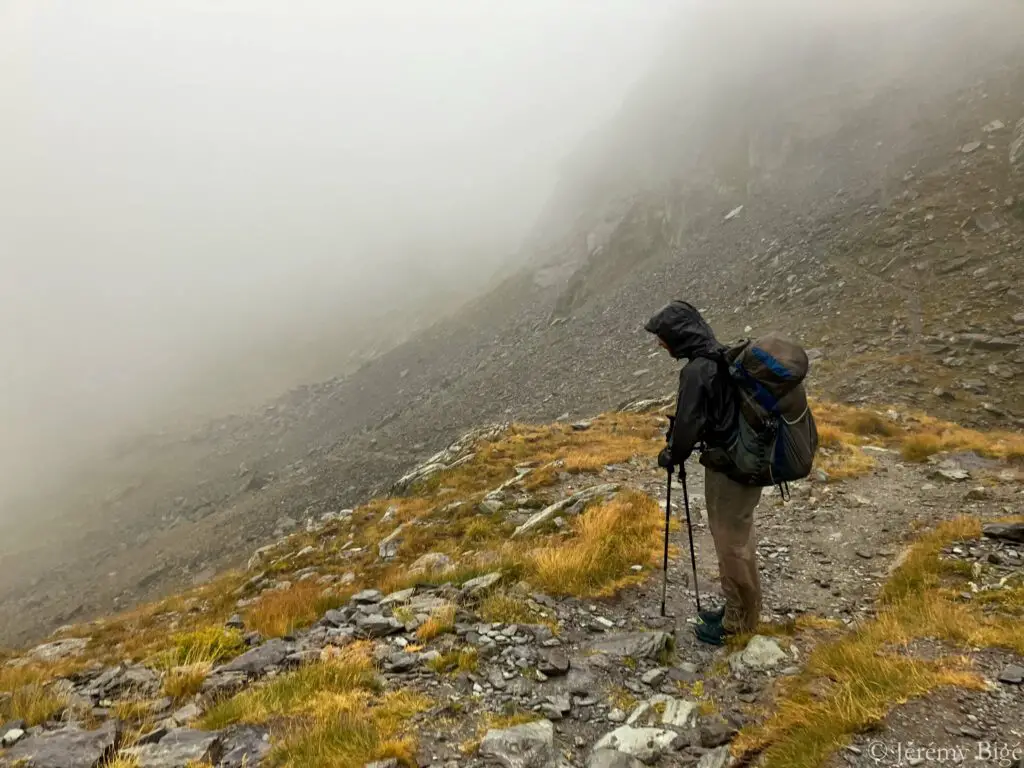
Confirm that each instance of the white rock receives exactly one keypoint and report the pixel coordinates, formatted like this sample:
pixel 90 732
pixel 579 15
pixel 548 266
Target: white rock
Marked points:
pixel 645 744
pixel 762 653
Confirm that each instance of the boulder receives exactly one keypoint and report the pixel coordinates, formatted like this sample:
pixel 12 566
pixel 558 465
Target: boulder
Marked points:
pixel 244 746
pixel 645 744
pixel 762 653
pixel 1012 675
pixel 1005 531
pixel 525 746
pixel 377 625
pixel 367 597
pixel 253 662
pixel 432 562
pixel 553 662
pixel 69 747
pixel 59 649
pixel 481 584
pixel 180 748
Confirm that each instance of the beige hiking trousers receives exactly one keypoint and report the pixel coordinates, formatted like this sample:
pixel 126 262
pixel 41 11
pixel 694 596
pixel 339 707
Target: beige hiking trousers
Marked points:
pixel 731 519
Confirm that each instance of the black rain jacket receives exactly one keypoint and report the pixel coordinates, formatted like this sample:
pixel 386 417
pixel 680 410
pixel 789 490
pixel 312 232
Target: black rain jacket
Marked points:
pixel 708 406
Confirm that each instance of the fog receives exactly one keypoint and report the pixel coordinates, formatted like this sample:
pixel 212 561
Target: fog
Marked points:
pixel 203 203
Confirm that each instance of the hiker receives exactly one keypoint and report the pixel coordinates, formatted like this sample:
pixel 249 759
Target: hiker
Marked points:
pixel 747 409
pixel 707 411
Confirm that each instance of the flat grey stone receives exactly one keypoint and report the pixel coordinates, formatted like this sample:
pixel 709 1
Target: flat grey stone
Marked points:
pixel 59 649
pixel 178 749
pixel 637 645
pixel 69 747
pixel 525 746
pixel 481 583
pixel 244 746
pixel 1005 531
pixel 1012 675
pixel 253 662
pixel 377 625
pixel 367 597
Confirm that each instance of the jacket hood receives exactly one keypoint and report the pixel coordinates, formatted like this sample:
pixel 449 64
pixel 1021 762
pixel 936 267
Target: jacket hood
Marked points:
pixel 686 333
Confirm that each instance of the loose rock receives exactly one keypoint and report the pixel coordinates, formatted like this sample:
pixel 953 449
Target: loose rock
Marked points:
pixel 524 746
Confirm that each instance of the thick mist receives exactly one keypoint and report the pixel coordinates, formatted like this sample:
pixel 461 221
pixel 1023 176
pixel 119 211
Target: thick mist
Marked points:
pixel 202 204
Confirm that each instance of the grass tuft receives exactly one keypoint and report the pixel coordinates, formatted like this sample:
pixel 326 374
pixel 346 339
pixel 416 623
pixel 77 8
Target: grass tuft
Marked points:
pixel 183 682
pixel 441 622
pixel 607 541
pixel 464 660
pixel 351 672
pixel 281 612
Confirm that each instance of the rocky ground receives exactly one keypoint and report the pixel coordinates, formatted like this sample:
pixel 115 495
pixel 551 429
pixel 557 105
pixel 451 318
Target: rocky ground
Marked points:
pixel 567 680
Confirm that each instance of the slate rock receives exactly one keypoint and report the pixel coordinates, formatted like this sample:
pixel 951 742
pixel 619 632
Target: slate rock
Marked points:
pixel 224 684
pixel 553 662
pixel 716 733
pixel 336 618
pixel 716 758
pixel 244 746
pixel 59 649
pixel 253 662
pixel 637 645
pixel 367 597
pixel 1005 531
pixel 432 562
pixel 69 747
pixel 612 758
pixel 762 653
pixel 481 584
pixel 187 713
pixel 645 744
pixel 402 662
pixel 389 763
pixel 1012 675
pixel 178 749
pixel 377 625
pixel 524 746
pixel 235 622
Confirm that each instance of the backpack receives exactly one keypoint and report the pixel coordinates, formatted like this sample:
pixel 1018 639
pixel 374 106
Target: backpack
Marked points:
pixel 776 438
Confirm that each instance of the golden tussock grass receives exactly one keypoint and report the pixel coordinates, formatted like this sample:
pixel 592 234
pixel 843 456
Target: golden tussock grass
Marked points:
pixel 35 703
pixel 502 608
pixel 183 682
pixel 281 612
pixel 852 681
pixel 461 660
pixel 441 621
pixel 607 540
pixel 916 435
pixel 351 730
pixel 298 692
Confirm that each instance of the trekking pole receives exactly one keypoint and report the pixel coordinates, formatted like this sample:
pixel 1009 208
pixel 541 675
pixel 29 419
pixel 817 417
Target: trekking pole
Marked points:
pixel 664 566
pixel 689 529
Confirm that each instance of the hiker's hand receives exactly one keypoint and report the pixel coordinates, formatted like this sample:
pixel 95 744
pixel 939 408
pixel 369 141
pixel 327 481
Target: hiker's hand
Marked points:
pixel 665 458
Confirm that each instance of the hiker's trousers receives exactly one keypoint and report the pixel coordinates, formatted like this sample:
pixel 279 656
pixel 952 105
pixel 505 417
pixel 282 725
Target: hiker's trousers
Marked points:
pixel 731 519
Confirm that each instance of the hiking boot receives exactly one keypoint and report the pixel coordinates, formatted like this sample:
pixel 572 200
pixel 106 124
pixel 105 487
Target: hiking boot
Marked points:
pixel 713 633
pixel 712 617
